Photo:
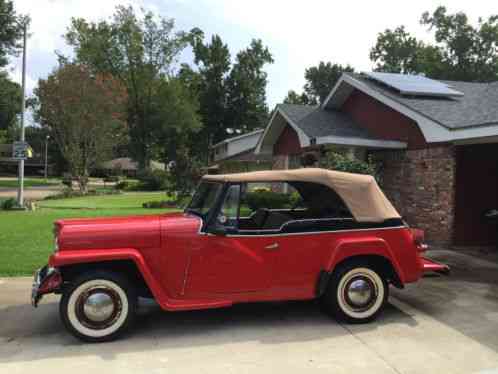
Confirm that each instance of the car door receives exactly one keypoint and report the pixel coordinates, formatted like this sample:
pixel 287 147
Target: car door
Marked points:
pixel 228 262
pixel 305 244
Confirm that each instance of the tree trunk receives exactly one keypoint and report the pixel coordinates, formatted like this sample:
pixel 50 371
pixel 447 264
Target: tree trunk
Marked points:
pixel 83 184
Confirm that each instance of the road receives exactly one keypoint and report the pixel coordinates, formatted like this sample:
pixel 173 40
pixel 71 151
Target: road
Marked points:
pixel 440 325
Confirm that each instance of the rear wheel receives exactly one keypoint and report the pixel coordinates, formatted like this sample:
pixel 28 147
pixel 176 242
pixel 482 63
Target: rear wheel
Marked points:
pixel 357 293
pixel 98 306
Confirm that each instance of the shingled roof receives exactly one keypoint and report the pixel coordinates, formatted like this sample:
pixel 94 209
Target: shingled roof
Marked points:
pixel 316 122
pixel 477 107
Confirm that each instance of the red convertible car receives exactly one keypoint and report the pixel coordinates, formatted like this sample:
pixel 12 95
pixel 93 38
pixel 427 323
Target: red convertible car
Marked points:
pixel 258 236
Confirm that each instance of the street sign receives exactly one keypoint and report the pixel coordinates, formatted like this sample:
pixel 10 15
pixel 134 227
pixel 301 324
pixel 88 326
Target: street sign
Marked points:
pixel 21 151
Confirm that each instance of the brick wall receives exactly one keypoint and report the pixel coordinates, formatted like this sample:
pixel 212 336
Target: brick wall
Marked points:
pixel 421 185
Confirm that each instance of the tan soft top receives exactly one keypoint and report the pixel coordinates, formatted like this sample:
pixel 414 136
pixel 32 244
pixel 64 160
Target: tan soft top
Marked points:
pixel 360 193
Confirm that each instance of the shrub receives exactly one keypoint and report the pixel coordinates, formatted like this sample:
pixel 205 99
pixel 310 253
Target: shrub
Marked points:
pixel 161 204
pixel 8 204
pixel 122 185
pixel 156 180
pixel 68 193
pixel 112 179
pixel 340 162
pixel 67 180
pixel 268 199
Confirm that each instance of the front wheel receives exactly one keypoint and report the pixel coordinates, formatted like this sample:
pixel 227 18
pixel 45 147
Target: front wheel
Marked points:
pixel 356 293
pixel 98 306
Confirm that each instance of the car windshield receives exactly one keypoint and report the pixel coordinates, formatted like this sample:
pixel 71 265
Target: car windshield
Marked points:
pixel 204 198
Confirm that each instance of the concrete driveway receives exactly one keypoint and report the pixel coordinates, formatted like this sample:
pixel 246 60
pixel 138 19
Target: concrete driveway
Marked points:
pixel 440 325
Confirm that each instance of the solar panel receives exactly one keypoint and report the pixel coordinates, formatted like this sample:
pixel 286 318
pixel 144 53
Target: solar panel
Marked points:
pixel 414 85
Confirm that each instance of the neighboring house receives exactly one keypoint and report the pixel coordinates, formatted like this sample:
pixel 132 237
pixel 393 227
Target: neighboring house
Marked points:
pixel 437 143
pixel 126 166
pixel 237 154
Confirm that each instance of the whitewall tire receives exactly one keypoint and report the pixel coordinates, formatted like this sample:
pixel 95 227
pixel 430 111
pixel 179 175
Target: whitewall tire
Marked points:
pixel 356 293
pixel 98 306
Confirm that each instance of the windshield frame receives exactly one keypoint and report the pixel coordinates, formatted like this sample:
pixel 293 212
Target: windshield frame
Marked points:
pixel 214 204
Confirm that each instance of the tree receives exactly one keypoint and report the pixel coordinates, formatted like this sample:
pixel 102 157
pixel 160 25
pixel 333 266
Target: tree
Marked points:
pixel 322 78
pixel 140 53
pixel 462 51
pixel 10 92
pixel 294 98
pixel 469 53
pixel 10 32
pixel 10 102
pixel 231 97
pixel 85 113
pixel 213 62
pixel 246 88
pixel 396 51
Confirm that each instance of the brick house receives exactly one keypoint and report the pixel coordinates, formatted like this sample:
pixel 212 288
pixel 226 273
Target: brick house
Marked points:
pixel 439 152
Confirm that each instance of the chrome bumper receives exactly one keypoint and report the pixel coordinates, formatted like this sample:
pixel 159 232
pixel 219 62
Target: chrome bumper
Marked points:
pixel 41 276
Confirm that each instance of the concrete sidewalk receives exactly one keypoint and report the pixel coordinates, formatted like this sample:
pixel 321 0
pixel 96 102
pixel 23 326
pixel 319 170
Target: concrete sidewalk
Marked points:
pixel 31 193
pixel 440 325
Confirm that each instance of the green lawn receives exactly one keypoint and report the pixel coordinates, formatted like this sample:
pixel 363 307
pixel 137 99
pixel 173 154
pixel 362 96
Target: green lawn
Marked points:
pixel 26 238
pixel 29 182
pixel 124 201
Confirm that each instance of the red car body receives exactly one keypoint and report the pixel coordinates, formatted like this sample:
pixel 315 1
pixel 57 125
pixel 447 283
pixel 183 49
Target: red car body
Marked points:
pixel 185 265
pixel 187 269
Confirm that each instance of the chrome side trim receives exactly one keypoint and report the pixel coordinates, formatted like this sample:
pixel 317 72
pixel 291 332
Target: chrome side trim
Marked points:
pixel 316 232
pixel 300 220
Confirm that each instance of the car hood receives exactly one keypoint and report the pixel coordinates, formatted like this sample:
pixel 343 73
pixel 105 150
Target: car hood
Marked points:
pixel 114 232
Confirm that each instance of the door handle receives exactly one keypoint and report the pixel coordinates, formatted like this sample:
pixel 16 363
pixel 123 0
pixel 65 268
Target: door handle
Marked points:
pixel 271 246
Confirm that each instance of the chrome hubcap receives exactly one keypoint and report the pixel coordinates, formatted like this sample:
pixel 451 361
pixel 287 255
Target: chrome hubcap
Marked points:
pixel 98 307
pixel 359 292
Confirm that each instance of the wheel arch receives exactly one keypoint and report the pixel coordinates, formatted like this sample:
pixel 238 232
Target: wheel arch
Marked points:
pixel 125 261
pixel 127 268
pixel 373 250
pixel 378 262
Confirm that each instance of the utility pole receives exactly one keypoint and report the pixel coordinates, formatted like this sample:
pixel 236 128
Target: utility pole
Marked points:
pixel 20 192
pixel 46 155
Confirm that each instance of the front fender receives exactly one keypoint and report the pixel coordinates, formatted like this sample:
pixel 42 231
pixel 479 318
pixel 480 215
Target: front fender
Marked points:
pixel 62 258
pixel 82 256
pixel 350 247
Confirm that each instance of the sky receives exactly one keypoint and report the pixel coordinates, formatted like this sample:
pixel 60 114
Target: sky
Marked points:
pixel 299 34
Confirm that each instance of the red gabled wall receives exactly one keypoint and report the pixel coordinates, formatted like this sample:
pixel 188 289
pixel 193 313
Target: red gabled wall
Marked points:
pixel 383 121
pixel 287 143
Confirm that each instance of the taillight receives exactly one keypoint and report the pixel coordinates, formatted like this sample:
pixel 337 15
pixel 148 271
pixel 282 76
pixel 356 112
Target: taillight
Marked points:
pixel 419 239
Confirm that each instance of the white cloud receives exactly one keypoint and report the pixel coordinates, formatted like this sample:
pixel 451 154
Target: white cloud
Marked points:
pixel 299 34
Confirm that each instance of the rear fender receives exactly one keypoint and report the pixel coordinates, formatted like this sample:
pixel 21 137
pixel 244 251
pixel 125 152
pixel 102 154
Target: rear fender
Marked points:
pixel 351 247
